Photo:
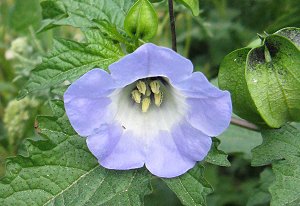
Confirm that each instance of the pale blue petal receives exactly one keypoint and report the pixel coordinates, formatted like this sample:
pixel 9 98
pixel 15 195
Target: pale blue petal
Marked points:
pixel 210 108
pixel 102 143
pixel 164 158
pixel 150 60
pixel 86 101
pixel 212 115
pixel 191 142
pixel 93 84
pixel 197 86
pixel 127 152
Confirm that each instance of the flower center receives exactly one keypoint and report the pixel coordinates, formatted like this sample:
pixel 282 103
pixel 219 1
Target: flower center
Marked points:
pixel 147 91
pixel 166 106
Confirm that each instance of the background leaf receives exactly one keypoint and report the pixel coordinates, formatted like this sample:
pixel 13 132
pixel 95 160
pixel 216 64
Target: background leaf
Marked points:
pixel 277 144
pixel 60 170
pixel 286 188
pixel 191 188
pixel 239 140
pixel 261 194
pixel 80 13
pixel 68 60
pixel 216 156
pixel 193 5
pixel 22 16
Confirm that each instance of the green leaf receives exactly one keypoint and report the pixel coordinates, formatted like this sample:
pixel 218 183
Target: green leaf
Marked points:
pixel 52 12
pixel 292 34
pixel 239 140
pixel 232 78
pixel 68 60
pixel 53 9
pixel 80 13
pixel 141 21
pixel 273 79
pixel 286 188
pixel 111 32
pixel 216 156
pixel 277 144
pixel 193 5
pixel 60 170
pixel 161 195
pixel 191 188
pixel 261 194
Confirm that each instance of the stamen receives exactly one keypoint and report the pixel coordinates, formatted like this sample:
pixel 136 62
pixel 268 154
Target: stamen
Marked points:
pixel 148 91
pixel 154 85
pixel 158 98
pixel 141 86
pixel 136 96
pixel 145 104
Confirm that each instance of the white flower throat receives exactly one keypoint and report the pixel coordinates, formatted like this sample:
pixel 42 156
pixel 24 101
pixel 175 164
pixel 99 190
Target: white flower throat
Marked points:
pixel 162 108
pixel 147 91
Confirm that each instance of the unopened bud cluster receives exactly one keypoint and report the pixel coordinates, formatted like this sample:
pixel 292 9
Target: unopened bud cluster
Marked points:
pixel 147 91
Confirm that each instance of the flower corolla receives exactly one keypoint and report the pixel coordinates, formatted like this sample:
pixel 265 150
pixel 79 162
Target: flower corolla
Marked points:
pixel 151 109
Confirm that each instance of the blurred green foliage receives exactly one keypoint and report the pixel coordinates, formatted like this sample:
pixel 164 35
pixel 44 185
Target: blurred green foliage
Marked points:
pixel 221 27
pixel 21 49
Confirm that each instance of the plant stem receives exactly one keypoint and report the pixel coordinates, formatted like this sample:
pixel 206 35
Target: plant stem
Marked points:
pixel 172 25
pixel 244 124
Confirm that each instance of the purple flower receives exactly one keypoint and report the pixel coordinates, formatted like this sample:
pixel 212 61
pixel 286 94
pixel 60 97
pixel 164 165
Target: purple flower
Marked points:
pixel 150 110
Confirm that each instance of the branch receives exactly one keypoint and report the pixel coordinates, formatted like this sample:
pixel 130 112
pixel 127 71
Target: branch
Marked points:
pixel 172 25
pixel 244 124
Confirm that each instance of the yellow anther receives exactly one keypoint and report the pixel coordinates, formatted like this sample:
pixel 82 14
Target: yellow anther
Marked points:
pixel 142 87
pixel 158 98
pixel 136 96
pixel 154 85
pixel 145 104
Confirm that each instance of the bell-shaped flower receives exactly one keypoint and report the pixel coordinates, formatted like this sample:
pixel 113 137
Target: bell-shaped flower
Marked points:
pixel 151 109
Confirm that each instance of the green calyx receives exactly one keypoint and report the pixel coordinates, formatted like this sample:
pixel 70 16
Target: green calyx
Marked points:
pixel 264 81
